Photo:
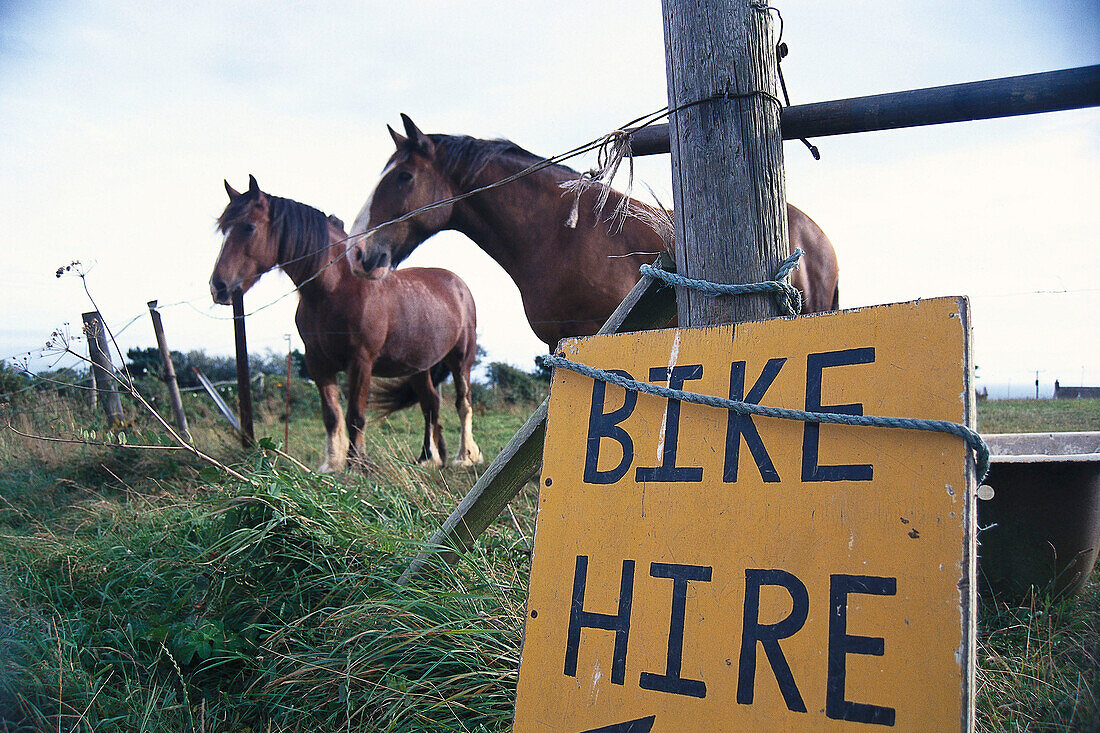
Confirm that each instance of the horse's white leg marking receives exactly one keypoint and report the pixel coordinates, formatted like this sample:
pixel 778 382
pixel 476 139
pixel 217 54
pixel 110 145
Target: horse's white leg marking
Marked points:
pixel 336 438
pixel 468 452
pixel 336 450
pixel 433 458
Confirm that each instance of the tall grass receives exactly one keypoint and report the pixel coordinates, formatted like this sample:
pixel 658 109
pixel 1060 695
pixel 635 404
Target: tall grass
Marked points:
pixel 136 594
pixel 1039 664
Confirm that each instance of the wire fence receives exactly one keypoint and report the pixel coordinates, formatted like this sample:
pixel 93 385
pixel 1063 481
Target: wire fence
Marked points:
pixel 611 149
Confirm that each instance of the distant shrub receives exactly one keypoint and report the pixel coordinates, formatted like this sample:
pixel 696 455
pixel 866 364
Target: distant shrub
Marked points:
pixel 145 362
pixel 12 379
pixel 64 381
pixel 513 385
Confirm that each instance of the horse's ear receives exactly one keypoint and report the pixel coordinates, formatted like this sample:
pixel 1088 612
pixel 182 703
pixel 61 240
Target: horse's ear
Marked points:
pixel 253 187
pixel 230 190
pixel 417 139
pixel 398 139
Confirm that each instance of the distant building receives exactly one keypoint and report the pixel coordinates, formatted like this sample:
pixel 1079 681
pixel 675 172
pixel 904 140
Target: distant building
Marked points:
pixel 1075 393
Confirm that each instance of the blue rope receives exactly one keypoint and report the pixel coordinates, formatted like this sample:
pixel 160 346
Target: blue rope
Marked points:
pixel 972 439
pixel 787 296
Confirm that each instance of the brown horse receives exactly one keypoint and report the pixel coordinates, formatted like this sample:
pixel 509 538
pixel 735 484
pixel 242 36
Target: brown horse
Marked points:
pixel 417 325
pixel 570 279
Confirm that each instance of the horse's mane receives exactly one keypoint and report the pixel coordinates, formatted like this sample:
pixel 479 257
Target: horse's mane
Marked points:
pixel 300 231
pixel 463 157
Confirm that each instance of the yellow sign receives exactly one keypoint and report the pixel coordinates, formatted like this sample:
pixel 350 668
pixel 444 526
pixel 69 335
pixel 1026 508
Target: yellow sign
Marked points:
pixel 696 570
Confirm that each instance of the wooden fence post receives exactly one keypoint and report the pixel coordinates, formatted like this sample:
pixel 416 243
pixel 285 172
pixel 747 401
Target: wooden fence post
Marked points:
pixel 93 394
pixel 244 387
pixel 727 154
pixel 102 369
pixel 169 372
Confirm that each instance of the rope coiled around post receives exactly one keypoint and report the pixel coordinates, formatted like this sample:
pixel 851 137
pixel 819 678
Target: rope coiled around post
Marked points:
pixel 787 296
pixel 981 450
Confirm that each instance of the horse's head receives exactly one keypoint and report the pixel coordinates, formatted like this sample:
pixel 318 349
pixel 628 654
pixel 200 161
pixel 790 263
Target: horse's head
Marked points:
pixel 248 250
pixel 410 180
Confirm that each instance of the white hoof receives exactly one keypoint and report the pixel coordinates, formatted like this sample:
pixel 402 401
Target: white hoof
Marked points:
pixel 468 460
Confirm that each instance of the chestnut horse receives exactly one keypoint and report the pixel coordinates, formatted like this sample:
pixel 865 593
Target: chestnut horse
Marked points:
pixel 417 325
pixel 570 279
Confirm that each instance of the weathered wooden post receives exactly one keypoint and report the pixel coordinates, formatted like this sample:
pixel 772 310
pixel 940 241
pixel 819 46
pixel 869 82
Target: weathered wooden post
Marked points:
pixel 727 154
pixel 244 388
pixel 169 371
pixel 102 369
pixel 93 394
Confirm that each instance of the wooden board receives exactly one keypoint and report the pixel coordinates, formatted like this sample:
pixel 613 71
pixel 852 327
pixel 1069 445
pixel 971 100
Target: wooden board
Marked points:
pixel 697 571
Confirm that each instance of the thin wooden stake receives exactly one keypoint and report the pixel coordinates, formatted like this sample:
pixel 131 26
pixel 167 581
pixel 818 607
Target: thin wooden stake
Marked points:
pixel 286 423
pixel 169 369
pixel 102 369
pixel 244 387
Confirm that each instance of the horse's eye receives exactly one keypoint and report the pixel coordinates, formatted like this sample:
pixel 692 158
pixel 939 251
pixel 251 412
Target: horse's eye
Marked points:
pixel 248 228
pixel 404 176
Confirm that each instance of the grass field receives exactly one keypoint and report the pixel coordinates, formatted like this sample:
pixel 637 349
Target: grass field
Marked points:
pixel 1034 416
pixel 141 590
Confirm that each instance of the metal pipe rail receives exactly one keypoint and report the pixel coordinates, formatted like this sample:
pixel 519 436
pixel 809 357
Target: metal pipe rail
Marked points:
pixel 1049 91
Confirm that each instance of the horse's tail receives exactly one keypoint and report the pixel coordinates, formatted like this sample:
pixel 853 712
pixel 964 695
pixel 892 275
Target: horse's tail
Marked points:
pixel 836 298
pixel 390 395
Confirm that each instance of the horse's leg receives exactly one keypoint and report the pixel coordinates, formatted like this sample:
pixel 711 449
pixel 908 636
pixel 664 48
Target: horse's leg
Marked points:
pixel 359 376
pixel 468 452
pixel 434 451
pixel 336 441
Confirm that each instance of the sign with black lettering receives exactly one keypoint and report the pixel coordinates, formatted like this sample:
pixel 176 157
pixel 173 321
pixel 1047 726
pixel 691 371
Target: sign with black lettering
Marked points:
pixel 698 570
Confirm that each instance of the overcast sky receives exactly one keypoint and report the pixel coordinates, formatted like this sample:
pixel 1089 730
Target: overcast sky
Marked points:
pixel 120 120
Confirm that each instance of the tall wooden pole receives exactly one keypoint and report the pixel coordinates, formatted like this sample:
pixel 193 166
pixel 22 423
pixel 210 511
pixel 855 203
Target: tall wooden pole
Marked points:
pixel 169 370
pixel 244 388
pixel 727 154
pixel 102 369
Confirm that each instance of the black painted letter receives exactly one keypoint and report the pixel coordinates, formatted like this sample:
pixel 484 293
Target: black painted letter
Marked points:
pixel 671 681
pixel 619 623
pixel 769 635
pixel 668 470
pixel 601 425
pixel 738 425
pixel 815 363
pixel 841 644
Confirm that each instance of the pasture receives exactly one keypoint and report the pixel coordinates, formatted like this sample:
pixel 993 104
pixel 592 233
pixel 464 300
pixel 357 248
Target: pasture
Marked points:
pixel 140 590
